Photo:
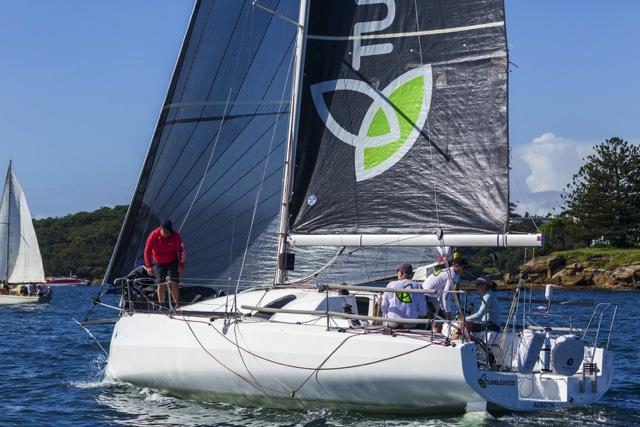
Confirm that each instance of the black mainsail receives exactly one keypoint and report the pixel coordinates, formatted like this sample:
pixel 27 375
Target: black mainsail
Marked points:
pixel 403 132
pixel 404 118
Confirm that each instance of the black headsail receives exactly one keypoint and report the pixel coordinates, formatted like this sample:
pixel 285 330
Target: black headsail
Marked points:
pixel 404 118
pixel 214 166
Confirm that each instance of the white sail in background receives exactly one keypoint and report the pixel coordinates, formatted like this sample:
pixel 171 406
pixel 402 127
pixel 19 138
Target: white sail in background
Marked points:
pixel 20 260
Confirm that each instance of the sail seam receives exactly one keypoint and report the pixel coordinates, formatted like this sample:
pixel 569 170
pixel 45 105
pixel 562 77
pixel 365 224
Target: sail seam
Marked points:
pixel 408 34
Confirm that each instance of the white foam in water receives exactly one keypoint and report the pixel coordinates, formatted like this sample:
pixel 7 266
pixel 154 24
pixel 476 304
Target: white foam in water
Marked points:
pixel 154 397
pixel 476 418
pixel 103 383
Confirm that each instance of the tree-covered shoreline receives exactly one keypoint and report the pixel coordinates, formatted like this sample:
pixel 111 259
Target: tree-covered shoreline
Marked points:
pixel 598 228
pixel 80 243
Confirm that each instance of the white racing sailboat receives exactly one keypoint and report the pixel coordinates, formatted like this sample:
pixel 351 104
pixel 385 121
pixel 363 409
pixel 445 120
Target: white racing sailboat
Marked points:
pixel 20 260
pixel 327 140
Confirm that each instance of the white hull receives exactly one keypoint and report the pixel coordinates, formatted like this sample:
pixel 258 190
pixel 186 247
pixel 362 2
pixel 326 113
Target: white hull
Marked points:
pixel 162 352
pixel 18 299
pixel 291 358
pixel 540 390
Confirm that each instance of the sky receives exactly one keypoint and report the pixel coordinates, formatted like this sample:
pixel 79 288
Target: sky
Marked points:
pixel 82 83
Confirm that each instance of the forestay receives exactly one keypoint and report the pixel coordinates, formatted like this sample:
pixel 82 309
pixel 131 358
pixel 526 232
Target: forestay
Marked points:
pixel 20 260
pixel 218 148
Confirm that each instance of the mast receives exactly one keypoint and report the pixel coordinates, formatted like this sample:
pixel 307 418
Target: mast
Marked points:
pixel 292 137
pixel 6 275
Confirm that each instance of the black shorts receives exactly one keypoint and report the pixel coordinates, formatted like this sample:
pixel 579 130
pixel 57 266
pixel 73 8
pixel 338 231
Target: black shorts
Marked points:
pixel 431 309
pixel 162 271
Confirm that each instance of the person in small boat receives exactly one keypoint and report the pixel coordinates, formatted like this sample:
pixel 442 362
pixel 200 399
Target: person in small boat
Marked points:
pixel 403 305
pixel 443 281
pixel 164 258
pixel 31 289
pixel 42 290
pixel 488 315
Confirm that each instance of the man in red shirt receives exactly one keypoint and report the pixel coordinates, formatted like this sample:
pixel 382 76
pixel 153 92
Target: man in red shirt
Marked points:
pixel 164 258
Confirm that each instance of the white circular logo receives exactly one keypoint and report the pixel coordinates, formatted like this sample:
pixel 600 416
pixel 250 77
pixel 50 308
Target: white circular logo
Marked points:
pixel 312 199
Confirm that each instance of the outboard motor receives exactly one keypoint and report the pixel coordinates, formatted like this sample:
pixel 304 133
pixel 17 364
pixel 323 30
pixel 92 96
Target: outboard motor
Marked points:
pixel 567 355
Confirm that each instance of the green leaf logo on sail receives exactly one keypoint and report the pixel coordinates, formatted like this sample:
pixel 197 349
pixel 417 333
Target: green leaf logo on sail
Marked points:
pixel 391 125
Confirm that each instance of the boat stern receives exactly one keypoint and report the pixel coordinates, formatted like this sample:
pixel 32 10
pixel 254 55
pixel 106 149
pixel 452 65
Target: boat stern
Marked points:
pixel 540 390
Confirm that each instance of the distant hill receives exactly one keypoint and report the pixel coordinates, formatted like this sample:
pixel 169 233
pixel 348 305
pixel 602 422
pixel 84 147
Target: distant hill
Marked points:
pixel 80 243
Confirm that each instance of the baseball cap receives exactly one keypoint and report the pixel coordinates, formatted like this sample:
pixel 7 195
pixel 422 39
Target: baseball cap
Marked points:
pixel 405 267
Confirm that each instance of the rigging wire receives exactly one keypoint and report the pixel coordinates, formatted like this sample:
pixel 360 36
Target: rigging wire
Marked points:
pixel 241 85
pixel 258 193
pixel 432 161
pixel 213 81
pixel 206 168
pixel 258 386
pixel 334 368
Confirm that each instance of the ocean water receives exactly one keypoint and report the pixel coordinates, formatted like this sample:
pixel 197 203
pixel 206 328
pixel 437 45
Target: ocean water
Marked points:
pixel 53 374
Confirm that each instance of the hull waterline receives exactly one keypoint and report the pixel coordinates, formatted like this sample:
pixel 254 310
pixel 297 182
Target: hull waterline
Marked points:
pixel 19 299
pixel 288 365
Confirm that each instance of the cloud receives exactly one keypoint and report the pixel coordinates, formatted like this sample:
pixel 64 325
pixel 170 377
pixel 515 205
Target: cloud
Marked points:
pixel 541 203
pixel 552 161
pixel 541 169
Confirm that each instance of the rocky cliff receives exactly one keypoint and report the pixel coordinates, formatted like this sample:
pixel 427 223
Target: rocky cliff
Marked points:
pixel 556 270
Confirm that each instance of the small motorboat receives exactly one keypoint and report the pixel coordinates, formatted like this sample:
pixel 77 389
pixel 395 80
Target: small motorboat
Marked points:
pixel 71 280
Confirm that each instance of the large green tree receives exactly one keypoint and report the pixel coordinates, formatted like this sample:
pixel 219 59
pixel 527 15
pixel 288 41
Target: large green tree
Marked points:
pixel 604 196
pixel 561 233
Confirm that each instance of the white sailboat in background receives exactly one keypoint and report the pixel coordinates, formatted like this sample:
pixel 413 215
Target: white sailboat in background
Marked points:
pixel 20 260
pixel 397 126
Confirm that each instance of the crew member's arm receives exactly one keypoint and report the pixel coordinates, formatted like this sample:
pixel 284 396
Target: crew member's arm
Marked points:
pixel 181 254
pixel 148 253
pixel 478 315
pixel 445 296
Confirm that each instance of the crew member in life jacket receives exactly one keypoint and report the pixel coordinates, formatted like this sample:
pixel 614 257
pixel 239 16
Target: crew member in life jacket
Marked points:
pixel 442 281
pixel 164 258
pixel 403 305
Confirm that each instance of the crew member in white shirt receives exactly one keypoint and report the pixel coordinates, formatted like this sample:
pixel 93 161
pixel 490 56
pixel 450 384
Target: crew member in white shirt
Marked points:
pixel 403 305
pixel 442 282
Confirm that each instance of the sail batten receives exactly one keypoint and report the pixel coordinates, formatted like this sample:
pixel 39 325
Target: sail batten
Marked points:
pixel 407 34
